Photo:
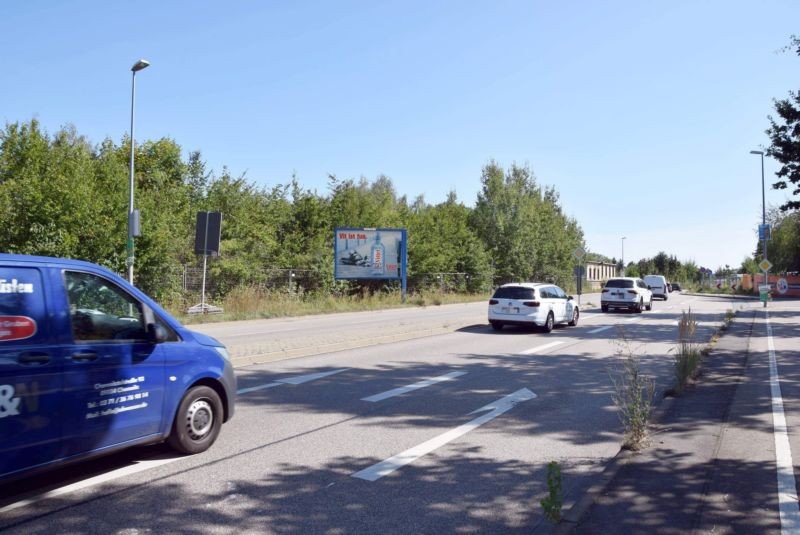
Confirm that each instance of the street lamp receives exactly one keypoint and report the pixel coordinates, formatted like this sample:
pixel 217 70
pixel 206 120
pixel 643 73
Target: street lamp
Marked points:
pixel 623 255
pixel 763 215
pixel 133 215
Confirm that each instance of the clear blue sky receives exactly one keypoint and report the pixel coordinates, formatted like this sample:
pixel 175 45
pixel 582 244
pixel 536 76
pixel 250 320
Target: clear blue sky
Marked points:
pixel 641 114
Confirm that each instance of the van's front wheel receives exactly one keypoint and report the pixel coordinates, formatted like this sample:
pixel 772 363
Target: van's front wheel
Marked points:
pixel 197 422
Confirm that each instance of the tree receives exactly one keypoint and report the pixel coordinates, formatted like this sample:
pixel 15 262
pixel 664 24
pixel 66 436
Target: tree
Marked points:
pixel 523 227
pixel 784 252
pixel 784 134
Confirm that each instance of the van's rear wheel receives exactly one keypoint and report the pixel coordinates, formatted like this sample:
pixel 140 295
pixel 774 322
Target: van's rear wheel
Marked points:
pixel 197 422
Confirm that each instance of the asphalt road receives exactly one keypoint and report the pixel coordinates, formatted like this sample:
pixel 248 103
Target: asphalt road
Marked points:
pixel 445 433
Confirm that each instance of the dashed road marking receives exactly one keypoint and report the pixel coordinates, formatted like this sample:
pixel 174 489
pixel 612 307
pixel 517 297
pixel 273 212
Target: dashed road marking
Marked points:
pixel 537 349
pixel 296 380
pixel 416 386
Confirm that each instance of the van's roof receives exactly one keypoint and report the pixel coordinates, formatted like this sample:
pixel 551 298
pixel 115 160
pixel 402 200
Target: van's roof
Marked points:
pixel 10 257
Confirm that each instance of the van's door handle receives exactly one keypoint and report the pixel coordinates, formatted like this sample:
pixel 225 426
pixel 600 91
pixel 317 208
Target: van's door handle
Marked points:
pixel 36 359
pixel 81 357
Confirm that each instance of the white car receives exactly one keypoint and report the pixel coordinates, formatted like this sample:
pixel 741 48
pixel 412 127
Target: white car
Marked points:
pixel 533 304
pixel 658 285
pixel 626 292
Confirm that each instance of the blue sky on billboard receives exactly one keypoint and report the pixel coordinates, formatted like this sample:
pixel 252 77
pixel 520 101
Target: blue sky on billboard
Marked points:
pixel 641 114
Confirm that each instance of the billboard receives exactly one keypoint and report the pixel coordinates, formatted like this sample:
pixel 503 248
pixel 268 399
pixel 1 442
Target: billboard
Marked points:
pixel 369 253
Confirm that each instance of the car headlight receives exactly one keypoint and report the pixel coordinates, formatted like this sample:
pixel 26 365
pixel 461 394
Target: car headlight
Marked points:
pixel 223 352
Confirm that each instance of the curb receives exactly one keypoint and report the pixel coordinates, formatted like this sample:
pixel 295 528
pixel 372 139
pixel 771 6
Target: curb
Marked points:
pixel 571 519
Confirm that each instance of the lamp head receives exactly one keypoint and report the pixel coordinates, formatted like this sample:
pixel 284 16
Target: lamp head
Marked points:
pixel 757 152
pixel 139 65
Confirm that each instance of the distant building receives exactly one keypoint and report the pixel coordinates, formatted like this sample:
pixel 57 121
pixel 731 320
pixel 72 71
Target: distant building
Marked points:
pixel 599 272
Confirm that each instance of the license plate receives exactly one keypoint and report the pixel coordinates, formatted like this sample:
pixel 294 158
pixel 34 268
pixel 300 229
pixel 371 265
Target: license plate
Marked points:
pixel 510 310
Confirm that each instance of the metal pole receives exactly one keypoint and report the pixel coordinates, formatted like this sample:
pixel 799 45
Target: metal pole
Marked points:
pixel 764 222
pixel 203 295
pixel 623 256
pixel 130 195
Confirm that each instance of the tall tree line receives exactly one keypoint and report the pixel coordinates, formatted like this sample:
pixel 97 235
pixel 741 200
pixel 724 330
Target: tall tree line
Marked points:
pixel 60 195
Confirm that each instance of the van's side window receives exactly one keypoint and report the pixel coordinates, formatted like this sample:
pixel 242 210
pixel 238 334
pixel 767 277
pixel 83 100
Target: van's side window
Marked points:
pixel 100 310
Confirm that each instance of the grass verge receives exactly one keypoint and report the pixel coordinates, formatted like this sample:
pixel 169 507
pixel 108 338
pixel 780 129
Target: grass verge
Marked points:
pixel 256 303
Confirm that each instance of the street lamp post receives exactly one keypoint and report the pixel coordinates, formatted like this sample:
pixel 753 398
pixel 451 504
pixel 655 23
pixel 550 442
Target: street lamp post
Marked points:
pixel 133 219
pixel 623 256
pixel 763 216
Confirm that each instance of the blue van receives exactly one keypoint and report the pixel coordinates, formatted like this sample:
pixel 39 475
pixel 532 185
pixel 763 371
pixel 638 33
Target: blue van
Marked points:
pixel 89 364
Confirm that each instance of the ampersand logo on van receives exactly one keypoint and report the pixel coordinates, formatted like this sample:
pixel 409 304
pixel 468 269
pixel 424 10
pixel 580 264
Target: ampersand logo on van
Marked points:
pixel 16 328
pixel 15 287
pixel 9 405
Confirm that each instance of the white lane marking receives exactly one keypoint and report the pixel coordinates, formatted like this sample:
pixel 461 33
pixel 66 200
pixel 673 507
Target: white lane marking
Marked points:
pixel 533 350
pixel 378 470
pixel 599 329
pixel 139 466
pixel 585 317
pixel 787 489
pixel 300 379
pixel 416 386
pixel 259 387
pixel 296 380
pixel 635 318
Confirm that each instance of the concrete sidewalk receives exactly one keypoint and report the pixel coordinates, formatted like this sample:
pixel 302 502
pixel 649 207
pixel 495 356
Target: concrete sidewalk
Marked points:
pixel 696 475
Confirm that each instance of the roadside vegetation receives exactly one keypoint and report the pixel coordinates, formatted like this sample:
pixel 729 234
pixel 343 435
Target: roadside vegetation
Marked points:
pixel 61 195
pixel 554 501
pixel 244 303
pixel 687 351
pixel 633 392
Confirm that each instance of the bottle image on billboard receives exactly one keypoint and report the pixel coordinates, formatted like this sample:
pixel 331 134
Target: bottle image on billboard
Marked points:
pixel 377 256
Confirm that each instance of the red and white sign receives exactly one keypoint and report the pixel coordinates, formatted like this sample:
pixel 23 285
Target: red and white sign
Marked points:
pixel 16 328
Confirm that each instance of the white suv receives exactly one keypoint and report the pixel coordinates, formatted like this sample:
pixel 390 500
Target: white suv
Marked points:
pixel 532 303
pixel 626 292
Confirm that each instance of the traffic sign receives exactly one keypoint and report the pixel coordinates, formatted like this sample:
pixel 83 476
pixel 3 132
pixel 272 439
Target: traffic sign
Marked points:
pixel 765 265
pixel 579 253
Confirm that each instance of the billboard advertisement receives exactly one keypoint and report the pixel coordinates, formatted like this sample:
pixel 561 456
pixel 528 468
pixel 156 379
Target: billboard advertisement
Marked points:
pixel 369 253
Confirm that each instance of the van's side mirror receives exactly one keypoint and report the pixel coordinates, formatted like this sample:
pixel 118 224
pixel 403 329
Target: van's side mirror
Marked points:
pixel 570 298
pixel 649 287
pixel 156 334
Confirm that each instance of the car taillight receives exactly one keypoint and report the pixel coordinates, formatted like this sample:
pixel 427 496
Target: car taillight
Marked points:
pixel 632 291
pixel 493 301
pixel 531 303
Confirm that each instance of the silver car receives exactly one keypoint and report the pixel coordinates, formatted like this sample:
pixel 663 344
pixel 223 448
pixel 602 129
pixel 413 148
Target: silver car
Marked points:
pixel 533 304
